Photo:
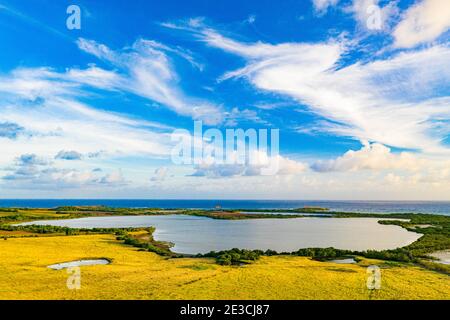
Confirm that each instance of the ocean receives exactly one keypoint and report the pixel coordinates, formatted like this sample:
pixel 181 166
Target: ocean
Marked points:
pixel 437 207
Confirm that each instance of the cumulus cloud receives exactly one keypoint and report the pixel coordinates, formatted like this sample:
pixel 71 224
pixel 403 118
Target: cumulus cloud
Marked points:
pixel 423 22
pixel 372 156
pixel 31 160
pixel 31 171
pixel 160 174
pixel 115 178
pixel 10 130
pixel 261 164
pixel 69 155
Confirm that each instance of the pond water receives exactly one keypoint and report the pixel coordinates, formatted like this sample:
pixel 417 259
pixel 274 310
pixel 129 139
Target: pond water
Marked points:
pixel 78 263
pixel 344 261
pixel 193 235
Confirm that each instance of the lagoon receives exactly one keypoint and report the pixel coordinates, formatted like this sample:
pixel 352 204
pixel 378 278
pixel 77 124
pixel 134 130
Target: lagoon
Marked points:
pixel 192 235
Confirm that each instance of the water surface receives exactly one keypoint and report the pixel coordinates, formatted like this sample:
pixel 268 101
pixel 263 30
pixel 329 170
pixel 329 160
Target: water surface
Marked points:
pixel 193 235
pixel 442 256
pixel 78 263
pixel 343 261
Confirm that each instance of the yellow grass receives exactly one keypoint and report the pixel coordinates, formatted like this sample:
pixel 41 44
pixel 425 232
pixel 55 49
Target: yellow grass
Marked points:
pixel 135 274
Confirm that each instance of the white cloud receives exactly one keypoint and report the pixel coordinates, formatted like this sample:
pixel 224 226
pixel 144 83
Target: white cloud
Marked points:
pixel 48 118
pixel 384 174
pixel 373 156
pixel 423 22
pixel 321 6
pixel 114 178
pixel 147 70
pixel 382 101
pixel 31 171
pixel 251 19
pixel 160 174
pixel 95 77
pixel 260 161
pixel 236 115
pixel 69 155
pixel 371 16
pixel 11 130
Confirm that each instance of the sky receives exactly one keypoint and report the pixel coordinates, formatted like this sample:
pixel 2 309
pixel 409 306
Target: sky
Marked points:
pixel 92 92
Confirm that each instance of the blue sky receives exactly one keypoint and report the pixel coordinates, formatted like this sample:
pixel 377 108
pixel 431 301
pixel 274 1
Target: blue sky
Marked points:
pixel 359 90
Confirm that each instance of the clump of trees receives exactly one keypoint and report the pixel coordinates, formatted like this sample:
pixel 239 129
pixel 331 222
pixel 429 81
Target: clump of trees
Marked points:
pixel 102 209
pixel 401 255
pixel 322 253
pixel 235 256
pixel 150 244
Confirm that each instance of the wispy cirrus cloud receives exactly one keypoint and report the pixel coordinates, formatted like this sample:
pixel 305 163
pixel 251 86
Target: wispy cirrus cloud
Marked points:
pixel 423 22
pixel 369 101
pixel 145 69
pixel 371 15
pixel 41 113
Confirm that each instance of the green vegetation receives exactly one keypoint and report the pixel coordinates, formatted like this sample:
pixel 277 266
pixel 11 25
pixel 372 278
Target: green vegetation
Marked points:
pixel 322 254
pixel 61 230
pixel 143 239
pixel 435 230
pixel 234 256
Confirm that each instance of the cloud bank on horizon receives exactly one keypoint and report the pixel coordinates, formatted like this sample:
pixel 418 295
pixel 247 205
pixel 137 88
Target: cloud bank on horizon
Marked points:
pixel 359 90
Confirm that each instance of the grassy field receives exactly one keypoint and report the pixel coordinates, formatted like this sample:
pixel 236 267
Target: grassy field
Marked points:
pixel 135 274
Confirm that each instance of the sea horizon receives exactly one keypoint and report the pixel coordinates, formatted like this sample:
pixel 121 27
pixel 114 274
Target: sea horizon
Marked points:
pixel 371 206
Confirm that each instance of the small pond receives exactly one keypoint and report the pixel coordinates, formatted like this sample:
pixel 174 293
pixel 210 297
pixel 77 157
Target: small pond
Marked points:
pixel 79 263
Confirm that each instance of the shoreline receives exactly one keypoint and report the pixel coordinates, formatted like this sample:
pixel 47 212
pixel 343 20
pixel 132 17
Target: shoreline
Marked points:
pixel 435 236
